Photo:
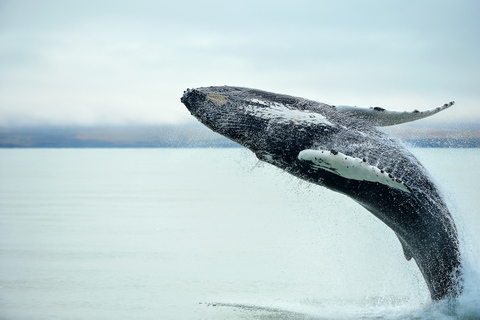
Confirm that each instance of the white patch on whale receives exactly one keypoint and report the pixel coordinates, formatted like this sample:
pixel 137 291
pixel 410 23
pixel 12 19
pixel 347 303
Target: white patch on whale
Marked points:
pixel 283 114
pixel 350 168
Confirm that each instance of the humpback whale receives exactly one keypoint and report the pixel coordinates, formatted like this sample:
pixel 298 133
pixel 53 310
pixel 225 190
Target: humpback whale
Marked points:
pixel 340 148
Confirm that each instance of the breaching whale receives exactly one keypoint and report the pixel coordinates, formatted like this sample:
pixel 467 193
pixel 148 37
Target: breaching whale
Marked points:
pixel 340 148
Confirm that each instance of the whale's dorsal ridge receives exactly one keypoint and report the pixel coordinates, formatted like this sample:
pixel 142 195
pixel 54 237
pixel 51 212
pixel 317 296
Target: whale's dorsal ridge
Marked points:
pixel 406 250
pixel 381 117
pixel 350 168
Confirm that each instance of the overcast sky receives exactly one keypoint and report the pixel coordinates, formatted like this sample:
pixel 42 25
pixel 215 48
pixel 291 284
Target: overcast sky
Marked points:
pixel 118 62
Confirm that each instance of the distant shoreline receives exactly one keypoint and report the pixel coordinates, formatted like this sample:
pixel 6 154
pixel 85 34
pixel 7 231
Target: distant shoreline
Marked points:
pixel 194 136
pixel 416 144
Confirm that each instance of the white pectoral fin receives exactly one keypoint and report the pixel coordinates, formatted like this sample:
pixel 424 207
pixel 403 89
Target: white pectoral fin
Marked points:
pixel 349 168
pixel 381 117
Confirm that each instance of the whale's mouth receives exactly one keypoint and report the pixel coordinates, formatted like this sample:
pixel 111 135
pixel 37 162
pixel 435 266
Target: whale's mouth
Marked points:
pixel 190 98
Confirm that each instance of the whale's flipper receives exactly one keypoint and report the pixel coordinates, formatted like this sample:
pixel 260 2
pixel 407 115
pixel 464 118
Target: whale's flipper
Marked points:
pixel 349 167
pixel 382 118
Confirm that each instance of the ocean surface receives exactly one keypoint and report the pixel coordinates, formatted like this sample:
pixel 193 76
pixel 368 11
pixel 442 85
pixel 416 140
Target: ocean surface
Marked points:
pixel 211 234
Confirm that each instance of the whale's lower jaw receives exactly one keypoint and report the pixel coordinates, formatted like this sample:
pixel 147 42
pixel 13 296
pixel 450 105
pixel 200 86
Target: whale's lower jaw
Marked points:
pixel 320 144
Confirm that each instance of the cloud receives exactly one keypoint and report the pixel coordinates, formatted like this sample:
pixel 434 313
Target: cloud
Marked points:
pixel 86 62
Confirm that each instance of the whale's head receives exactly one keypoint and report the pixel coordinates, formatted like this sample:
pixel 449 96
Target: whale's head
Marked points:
pixel 273 126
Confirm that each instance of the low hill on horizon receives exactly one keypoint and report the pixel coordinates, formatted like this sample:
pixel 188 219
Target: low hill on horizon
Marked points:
pixel 195 135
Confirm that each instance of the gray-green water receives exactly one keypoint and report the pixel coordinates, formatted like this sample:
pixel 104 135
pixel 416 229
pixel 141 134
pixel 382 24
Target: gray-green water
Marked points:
pixel 209 234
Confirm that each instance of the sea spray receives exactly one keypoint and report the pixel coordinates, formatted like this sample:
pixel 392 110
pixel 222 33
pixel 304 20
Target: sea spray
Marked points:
pixel 467 305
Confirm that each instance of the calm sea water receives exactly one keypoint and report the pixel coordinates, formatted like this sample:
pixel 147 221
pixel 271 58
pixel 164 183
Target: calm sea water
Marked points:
pixel 210 234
